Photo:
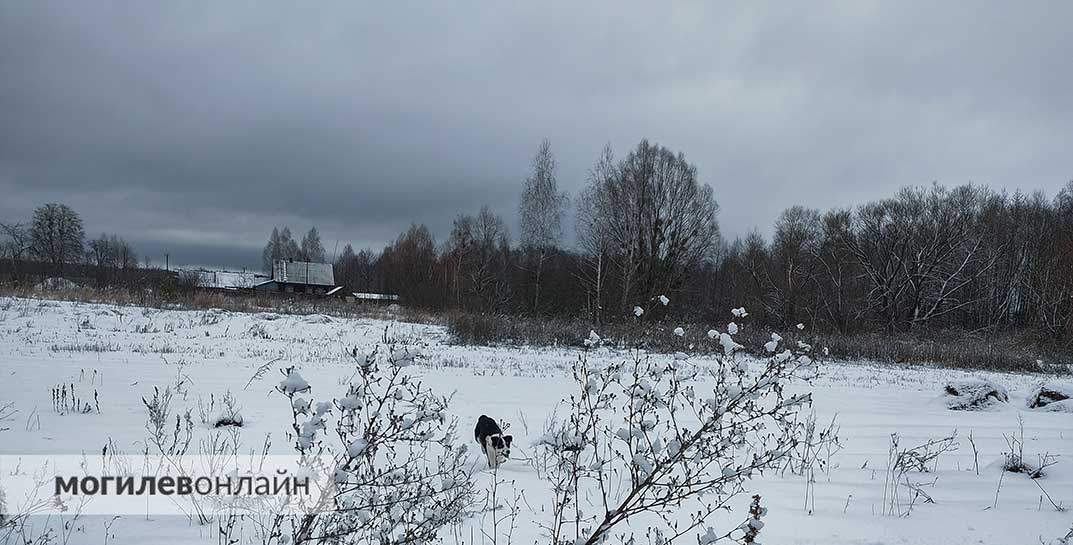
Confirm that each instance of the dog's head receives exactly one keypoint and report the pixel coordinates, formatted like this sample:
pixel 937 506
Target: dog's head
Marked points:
pixel 501 444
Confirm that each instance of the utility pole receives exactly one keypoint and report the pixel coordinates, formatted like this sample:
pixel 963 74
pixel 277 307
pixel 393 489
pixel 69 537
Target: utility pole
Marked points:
pixel 167 262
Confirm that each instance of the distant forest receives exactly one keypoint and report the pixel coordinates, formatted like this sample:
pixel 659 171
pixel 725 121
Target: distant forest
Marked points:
pixel 924 259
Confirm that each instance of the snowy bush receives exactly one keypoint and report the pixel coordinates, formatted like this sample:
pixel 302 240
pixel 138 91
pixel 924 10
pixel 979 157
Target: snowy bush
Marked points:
pixel 221 412
pixel 665 443
pixel 973 394
pixel 903 489
pixel 816 447
pixel 399 476
pixel 1051 397
pixel 1014 460
pixel 171 442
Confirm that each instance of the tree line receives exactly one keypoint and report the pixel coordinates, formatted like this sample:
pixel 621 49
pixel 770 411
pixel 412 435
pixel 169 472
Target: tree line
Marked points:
pixel 644 224
pixel 56 238
pixel 924 259
pixel 282 246
pixel 928 257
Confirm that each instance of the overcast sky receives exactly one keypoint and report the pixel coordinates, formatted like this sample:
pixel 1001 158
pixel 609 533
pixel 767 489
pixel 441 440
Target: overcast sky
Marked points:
pixel 193 128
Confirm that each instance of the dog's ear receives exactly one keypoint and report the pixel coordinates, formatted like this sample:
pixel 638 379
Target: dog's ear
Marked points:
pixel 507 439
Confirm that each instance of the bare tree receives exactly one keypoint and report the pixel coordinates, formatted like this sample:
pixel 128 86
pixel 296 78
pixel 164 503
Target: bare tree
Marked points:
pixel 110 254
pixel 1050 283
pixel 356 270
pixel 56 235
pixel 409 265
pixel 660 218
pixel 756 259
pixel 795 244
pixel 100 252
pixel 836 272
pixel 541 211
pixel 16 246
pixel 365 269
pixel 479 250
pixel 593 238
pixel 124 254
pixel 919 251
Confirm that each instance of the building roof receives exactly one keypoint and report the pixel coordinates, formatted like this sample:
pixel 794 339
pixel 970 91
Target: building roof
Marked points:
pixel 303 272
pixel 226 280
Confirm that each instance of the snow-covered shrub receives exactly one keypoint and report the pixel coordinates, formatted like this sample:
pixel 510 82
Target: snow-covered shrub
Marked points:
pixel 901 492
pixel 222 412
pixel 666 444
pixel 399 476
pixel 817 446
pixel 1051 397
pixel 171 442
pixel 973 394
pixel 1014 460
pixel 167 440
pixel 257 331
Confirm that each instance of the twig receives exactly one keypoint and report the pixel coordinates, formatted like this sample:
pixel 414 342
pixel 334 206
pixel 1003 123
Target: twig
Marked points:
pixel 260 372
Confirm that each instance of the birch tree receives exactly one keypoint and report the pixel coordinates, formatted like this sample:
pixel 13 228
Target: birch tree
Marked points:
pixel 541 211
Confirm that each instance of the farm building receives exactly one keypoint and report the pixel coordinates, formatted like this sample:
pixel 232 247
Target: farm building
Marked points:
pixel 301 277
pixel 225 280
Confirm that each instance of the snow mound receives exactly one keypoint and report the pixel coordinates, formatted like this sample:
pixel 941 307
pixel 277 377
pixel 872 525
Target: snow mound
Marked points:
pixel 317 319
pixel 973 394
pixel 1052 396
pixel 293 384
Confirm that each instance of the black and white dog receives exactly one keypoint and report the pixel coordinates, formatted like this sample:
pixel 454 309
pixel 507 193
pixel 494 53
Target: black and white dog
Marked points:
pixel 495 445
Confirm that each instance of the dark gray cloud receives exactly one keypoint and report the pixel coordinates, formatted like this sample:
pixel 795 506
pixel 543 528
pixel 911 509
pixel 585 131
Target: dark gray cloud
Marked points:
pixel 194 128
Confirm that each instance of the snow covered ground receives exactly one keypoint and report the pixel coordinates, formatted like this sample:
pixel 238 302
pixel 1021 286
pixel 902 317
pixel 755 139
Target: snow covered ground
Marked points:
pixel 121 353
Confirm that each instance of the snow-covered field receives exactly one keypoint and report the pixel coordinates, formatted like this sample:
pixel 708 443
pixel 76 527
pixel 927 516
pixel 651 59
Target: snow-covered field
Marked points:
pixel 121 353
